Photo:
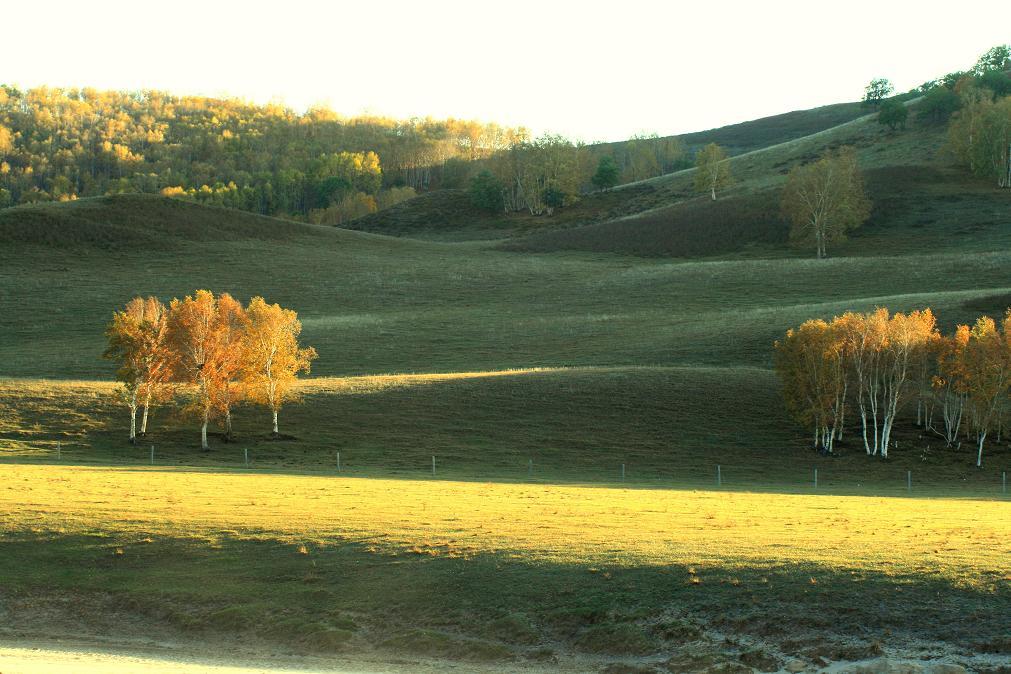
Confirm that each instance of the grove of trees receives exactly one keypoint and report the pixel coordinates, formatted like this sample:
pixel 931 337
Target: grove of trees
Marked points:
pixel 881 364
pixel 977 105
pixel 210 349
pixel 63 144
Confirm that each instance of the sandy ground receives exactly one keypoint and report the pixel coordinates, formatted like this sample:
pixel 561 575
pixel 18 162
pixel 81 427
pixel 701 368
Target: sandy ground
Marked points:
pixel 66 658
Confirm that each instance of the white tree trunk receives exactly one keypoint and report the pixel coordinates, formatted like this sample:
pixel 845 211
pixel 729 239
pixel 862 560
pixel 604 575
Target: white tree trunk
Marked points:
pixel 147 406
pixel 275 424
pixel 203 433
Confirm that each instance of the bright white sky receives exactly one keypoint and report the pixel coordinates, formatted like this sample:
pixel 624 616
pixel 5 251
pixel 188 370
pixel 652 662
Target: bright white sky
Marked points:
pixel 588 70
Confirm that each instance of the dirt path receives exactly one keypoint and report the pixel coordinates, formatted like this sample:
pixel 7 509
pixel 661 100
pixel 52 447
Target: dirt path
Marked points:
pixel 84 658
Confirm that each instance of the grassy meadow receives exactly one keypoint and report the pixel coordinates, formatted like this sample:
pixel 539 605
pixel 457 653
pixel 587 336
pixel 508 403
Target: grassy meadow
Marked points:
pixel 686 580
pixel 533 368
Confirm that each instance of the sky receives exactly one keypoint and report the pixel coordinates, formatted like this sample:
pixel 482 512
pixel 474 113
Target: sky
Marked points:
pixel 588 70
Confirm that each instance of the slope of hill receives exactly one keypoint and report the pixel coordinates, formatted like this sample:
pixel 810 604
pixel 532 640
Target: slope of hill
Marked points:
pixel 431 214
pixel 775 129
pixel 132 221
pixel 920 201
pixel 441 214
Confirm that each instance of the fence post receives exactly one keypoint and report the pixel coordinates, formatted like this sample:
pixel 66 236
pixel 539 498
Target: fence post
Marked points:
pixel 245 457
pixel 433 466
pixel 909 480
pixel 338 462
pixel 815 478
pixel 719 476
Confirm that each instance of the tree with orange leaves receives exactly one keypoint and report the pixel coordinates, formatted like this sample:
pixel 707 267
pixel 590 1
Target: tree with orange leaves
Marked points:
pixel 950 383
pixel 136 337
pixel 204 333
pixel 987 372
pixel 230 387
pixel 272 356
pixel 809 363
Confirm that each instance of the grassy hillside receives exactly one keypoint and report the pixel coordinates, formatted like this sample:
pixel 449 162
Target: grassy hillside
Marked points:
pixel 776 129
pixel 448 213
pixel 375 304
pixel 916 208
pixel 617 353
pixel 137 221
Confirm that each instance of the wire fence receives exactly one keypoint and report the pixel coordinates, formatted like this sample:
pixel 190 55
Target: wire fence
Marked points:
pixel 885 480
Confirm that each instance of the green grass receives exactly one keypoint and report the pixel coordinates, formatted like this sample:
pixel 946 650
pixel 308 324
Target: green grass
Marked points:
pixel 669 427
pixel 776 129
pixel 659 364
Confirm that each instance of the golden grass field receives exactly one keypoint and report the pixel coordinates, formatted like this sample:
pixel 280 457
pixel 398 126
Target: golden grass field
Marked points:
pixel 491 571
pixel 965 542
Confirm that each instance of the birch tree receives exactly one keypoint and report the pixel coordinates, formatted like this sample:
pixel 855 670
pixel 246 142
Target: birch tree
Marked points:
pixel 908 336
pixel 988 376
pixel 712 170
pixel 825 200
pixel 272 356
pixel 136 340
pixel 809 363
pixel 228 358
pixel 950 383
pixel 863 337
pixel 205 354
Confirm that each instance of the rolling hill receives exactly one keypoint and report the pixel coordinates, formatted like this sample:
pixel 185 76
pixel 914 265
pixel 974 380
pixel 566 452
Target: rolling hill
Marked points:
pixel 577 386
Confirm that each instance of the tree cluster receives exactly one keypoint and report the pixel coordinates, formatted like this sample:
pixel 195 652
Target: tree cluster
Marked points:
pixel 880 364
pixel 977 106
pixel 61 144
pixel 211 349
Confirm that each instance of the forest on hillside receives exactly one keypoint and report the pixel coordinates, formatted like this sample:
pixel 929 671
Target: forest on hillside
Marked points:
pixel 64 144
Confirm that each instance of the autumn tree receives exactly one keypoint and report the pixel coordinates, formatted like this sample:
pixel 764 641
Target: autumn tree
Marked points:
pixel 987 372
pixel 824 200
pixel 206 352
pixel 272 357
pixel 908 337
pixel 951 383
pixel 873 357
pixel 712 170
pixel 810 367
pixel 231 325
pixel 862 338
pixel 136 340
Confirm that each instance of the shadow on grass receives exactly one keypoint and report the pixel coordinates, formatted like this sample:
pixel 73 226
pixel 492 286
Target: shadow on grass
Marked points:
pixel 442 600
